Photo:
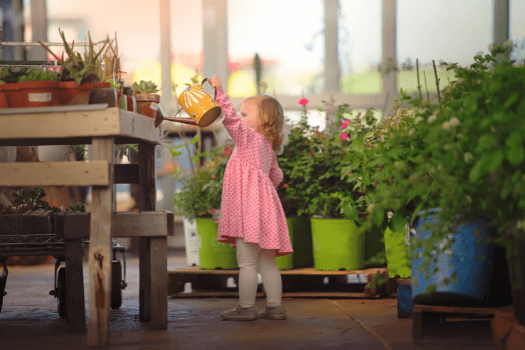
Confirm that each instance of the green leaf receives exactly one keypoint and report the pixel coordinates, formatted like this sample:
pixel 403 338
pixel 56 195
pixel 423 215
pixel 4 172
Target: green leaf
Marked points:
pixel 514 140
pixel 378 216
pixel 398 223
pixel 194 140
pixel 515 155
pixel 195 158
pixel 350 211
pixel 486 141
pixel 495 160
pixel 511 100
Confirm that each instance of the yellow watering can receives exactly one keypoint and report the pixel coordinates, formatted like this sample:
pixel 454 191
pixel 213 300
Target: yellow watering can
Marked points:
pixel 202 109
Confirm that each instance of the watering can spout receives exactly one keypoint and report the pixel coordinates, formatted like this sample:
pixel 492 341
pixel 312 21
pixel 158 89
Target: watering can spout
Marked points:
pixel 202 109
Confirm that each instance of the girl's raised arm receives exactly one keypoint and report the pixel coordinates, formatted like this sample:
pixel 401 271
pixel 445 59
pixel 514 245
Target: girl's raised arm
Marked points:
pixel 238 130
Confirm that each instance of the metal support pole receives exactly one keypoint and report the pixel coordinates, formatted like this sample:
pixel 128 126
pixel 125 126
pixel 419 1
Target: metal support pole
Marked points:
pixel 39 27
pixel 501 24
pixel 168 103
pixel 331 49
pixel 389 52
pixel 215 40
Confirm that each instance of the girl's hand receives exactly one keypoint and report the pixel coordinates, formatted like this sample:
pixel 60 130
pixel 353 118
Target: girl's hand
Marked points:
pixel 215 82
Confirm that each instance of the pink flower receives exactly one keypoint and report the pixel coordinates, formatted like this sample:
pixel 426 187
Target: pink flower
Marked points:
pixel 213 176
pixel 285 185
pixel 344 136
pixel 345 124
pixel 303 101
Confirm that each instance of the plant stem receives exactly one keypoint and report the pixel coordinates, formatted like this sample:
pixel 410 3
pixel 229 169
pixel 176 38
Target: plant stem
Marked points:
pixel 437 81
pixel 418 81
pixel 426 86
pixel 199 148
pixel 183 138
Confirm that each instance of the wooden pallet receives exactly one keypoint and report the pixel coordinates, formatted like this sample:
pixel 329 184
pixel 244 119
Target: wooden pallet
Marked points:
pixel 471 325
pixel 297 283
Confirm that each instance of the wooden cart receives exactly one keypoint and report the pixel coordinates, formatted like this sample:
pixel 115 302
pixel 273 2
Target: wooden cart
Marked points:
pixel 34 234
pixel 102 127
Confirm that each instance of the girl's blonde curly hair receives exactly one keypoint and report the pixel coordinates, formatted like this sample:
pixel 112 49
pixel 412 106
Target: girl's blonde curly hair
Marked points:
pixel 271 120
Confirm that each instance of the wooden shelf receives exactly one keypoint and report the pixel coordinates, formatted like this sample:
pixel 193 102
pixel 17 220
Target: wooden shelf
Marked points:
pixel 94 173
pixel 76 126
pixel 296 271
pixel 123 224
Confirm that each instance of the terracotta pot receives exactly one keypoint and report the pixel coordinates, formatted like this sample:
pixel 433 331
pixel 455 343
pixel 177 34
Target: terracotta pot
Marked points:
pixel 147 104
pixel 72 94
pixel 101 85
pixel 3 98
pixel 32 94
pixel 132 104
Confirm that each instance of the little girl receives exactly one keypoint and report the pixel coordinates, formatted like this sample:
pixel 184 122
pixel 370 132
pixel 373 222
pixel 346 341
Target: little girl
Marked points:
pixel 252 218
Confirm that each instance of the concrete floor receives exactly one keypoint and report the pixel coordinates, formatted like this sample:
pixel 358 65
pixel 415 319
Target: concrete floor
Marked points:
pixel 29 320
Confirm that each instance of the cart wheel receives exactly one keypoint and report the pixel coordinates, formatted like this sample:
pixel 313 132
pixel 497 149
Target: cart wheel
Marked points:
pixel 61 292
pixel 3 281
pixel 2 292
pixel 116 284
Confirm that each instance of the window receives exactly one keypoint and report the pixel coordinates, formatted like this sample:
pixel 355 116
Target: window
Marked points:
pixel 446 30
pixel 287 35
pixel 187 56
pixel 517 28
pixel 360 46
pixel 136 25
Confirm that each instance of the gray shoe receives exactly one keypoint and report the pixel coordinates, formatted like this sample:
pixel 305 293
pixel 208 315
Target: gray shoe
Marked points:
pixel 240 314
pixel 273 313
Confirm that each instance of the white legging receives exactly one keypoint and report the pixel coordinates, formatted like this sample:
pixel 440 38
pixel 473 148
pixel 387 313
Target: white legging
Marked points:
pixel 249 255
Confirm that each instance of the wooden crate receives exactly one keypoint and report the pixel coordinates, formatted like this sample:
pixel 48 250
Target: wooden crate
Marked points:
pixel 297 283
pixel 472 325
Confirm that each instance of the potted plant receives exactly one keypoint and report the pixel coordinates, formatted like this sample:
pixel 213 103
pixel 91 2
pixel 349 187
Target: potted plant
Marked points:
pixel 199 198
pixel 147 98
pixel 29 87
pixel 290 192
pixel 78 73
pixel 364 165
pixel 337 242
pixel 462 156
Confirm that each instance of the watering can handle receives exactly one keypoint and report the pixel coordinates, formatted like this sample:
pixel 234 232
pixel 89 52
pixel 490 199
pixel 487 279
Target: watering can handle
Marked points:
pixel 214 90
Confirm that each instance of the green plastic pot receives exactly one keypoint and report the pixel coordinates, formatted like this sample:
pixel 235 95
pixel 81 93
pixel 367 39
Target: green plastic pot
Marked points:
pixel 302 241
pixel 337 245
pixel 286 262
pixel 373 243
pixel 213 254
pixel 397 254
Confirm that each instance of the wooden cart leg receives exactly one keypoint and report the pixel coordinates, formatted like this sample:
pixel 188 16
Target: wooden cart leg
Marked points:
pixel 159 282
pixel 144 279
pixel 100 249
pixel 147 202
pixel 76 307
pixel 417 325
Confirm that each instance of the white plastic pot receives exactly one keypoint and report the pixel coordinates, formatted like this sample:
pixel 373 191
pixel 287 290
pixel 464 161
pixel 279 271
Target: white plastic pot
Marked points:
pixel 191 242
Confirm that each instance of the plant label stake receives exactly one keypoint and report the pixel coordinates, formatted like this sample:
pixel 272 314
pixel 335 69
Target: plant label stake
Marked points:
pixel 202 109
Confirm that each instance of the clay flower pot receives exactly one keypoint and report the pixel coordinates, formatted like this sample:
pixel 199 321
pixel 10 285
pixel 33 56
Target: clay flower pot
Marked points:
pixel 3 98
pixel 147 104
pixel 32 94
pixel 72 94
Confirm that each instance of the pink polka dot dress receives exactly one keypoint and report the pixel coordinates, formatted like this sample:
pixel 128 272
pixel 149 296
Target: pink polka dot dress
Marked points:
pixel 250 206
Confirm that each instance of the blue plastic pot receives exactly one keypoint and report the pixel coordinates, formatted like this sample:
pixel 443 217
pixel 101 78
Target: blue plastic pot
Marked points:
pixel 478 265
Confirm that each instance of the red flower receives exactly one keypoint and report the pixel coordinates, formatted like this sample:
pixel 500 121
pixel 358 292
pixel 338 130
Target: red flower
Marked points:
pixel 303 101
pixel 285 185
pixel 344 136
pixel 345 124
